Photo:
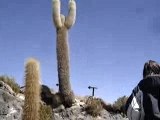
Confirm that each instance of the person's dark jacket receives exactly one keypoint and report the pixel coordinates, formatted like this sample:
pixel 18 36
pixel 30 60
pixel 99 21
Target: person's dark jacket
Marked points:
pixel 150 86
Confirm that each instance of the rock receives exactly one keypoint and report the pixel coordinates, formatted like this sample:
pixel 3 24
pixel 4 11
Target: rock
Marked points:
pixel 6 87
pixel 46 95
pixel 59 109
pixel 10 105
pixel 77 112
pixel 78 103
pixel 20 96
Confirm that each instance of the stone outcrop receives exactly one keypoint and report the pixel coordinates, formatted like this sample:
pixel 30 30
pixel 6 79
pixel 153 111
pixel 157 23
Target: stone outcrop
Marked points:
pixel 77 112
pixel 10 104
pixel 11 107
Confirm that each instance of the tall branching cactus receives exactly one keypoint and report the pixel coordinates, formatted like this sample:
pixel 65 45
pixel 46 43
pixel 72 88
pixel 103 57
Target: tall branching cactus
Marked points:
pixel 63 24
pixel 32 90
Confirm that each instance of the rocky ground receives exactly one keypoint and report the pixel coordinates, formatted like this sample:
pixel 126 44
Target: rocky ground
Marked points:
pixel 10 104
pixel 77 112
pixel 11 108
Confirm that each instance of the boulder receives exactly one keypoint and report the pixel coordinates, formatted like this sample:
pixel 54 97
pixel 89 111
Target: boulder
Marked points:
pixel 46 95
pixel 10 105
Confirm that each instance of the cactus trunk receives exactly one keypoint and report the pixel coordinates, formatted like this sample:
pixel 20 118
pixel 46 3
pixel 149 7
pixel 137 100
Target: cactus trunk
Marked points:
pixel 63 66
pixel 63 60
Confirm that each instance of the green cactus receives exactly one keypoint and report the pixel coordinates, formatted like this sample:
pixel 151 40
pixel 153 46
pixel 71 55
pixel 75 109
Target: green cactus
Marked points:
pixel 32 90
pixel 63 24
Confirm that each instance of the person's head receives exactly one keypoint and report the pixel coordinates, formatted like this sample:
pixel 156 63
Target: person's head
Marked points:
pixel 151 68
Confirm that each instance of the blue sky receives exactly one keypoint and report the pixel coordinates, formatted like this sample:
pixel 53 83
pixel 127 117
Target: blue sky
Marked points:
pixel 109 43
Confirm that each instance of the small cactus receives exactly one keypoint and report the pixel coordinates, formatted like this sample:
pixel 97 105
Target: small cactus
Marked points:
pixel 32 90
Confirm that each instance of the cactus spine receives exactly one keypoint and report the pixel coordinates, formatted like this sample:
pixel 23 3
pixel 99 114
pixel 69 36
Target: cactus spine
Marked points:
pixel 63 24
pixel 32 90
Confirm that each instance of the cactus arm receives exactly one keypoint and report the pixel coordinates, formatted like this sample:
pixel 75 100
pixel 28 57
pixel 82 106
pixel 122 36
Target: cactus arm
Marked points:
pixel 56 13
pixel 71 18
